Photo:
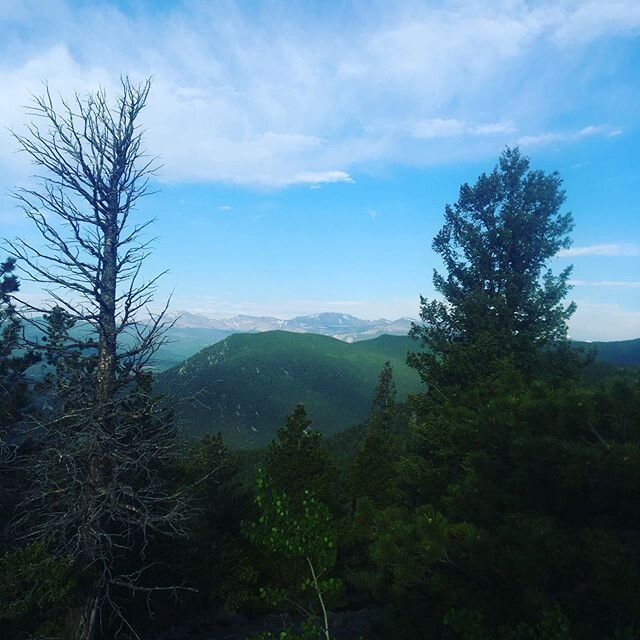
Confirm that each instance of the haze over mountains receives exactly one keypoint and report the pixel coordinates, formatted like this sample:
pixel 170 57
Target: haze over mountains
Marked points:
pixel 341 326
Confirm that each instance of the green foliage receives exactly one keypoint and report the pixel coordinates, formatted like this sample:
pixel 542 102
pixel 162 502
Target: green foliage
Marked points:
pixel 518 518
pixel 468 625
pixel 383 405
pixel 215 558
pixel 15 395
pixel 529 490
pixel 620 352
pixel 307 631
pixel 36 593
pixel 501 301
pixel 303 537
pixel 298 459
pixel 373 471
pixel 14 359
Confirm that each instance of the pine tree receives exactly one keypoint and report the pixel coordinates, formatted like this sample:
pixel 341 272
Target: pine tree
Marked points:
pixel 383 405
pixel 519 520
pixel 13 364
pixel 298 460
pixel 501 301
pixel 15 397
pixel 373 471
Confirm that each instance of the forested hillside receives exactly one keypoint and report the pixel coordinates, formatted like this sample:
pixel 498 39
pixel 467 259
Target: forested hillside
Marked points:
pixel 622 352
pixel 245 385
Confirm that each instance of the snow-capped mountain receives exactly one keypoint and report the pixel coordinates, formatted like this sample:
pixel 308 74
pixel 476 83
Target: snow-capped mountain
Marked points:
pixel 337 325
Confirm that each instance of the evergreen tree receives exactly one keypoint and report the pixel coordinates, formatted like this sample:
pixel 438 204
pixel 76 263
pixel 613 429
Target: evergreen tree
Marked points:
pixel 373 471
pixel 299 460
pixel 383 405
pixel 15 359
pixel 13 364
pixel 215 557
pixel 501 301
pixel 517 508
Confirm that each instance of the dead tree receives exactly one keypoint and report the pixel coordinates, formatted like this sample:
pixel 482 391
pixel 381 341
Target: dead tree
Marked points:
pixel 96 493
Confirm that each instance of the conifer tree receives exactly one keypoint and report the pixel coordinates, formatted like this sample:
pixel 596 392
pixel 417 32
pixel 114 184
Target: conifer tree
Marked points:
pixel 500 300
pixel 373 472
pixel 15 397
pixel 383 405
pixel 13 364
pixel 517 512
pixel 298 460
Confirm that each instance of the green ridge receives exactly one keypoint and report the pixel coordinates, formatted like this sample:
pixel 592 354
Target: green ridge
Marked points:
pixel 245 385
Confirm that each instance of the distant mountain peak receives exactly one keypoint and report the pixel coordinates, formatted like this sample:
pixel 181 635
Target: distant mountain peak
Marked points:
pixel 342 326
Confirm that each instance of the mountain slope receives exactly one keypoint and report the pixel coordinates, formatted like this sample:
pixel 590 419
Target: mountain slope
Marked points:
pixel 245 385
pixel 620 352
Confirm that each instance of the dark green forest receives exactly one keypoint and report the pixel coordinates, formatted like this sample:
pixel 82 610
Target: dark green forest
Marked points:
pixel 476 480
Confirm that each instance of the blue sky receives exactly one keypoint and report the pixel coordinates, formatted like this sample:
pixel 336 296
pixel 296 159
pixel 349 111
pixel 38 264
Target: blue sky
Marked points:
pixel 309 148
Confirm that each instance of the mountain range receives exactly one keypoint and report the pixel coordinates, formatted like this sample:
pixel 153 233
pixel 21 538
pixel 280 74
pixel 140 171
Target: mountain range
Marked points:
pixel 341 326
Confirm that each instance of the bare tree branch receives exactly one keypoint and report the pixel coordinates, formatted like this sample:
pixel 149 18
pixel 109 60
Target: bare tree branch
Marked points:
pixel 96 493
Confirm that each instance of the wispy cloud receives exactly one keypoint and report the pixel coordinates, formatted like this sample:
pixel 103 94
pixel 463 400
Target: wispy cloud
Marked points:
pixel 447 128
pixel 318 177
pixel 273 97
pixel 224 207
pixel 624 284
pixel 593 321
pixel 569 136
pixel 623 249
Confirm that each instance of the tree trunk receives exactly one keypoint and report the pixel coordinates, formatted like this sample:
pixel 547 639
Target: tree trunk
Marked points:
pixel 106 374
pixel 85 618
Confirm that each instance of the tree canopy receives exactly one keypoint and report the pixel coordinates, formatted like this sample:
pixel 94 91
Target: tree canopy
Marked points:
pixel 499 297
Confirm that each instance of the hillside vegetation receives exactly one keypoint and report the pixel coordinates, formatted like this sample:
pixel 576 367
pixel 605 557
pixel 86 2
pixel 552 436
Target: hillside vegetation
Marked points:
pixel 245 385
pixel 620 352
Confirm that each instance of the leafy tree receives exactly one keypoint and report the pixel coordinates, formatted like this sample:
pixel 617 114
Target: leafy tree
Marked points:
pixel 302 536
pixel 298 459
pixel 500 299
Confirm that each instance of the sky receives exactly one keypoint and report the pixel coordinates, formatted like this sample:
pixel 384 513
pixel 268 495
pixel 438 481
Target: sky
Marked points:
pixel 308 148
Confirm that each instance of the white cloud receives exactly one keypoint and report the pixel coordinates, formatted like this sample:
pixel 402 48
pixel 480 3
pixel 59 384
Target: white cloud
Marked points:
pixel 624 284
pixel 440 128
pixel 625 249
pixel 591 19
pixel 254 98
pixel 318 177
pixel 224 207
pixel 569 136
pixel 604 322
